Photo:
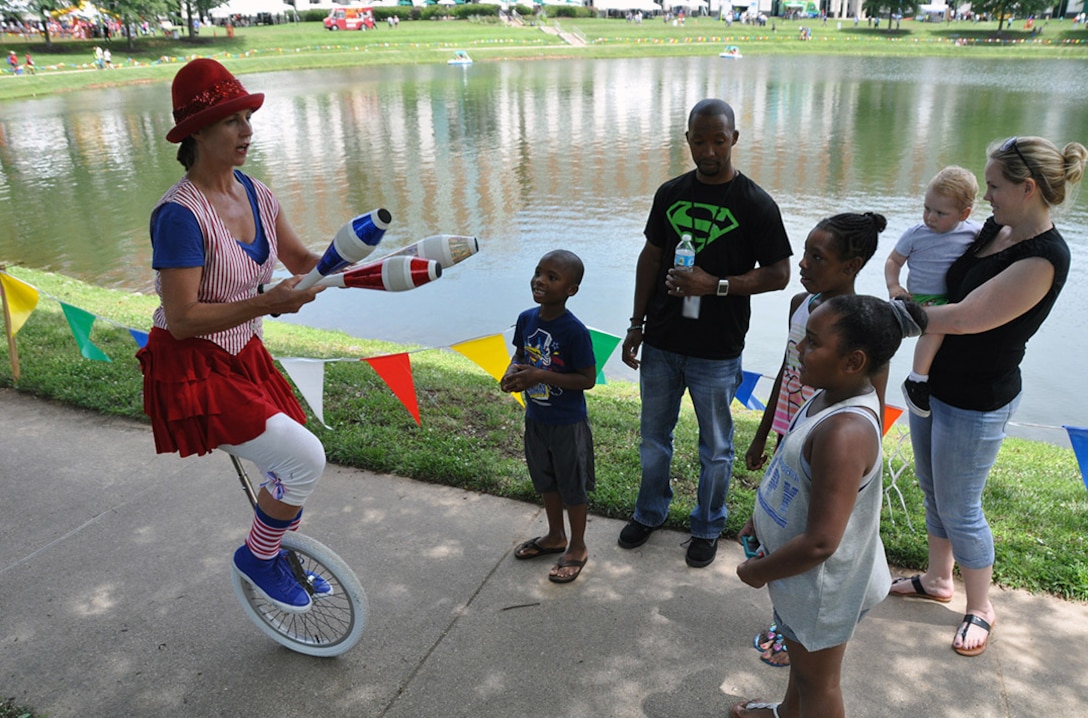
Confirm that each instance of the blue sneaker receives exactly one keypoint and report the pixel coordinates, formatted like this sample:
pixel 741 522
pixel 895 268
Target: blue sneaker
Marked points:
pixel 321 587
pixel 272 578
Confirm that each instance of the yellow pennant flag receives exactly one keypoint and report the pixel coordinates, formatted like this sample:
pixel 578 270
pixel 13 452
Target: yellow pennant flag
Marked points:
pixel 21 298
pixel 490 354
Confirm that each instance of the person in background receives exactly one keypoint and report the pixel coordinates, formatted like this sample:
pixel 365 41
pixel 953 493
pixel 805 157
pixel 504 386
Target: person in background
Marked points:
pixel 999 293
pixel 209 382
pixel 554 365
pixel 735 226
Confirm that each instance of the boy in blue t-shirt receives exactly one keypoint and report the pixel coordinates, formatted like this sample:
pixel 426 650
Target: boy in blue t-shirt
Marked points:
pixel 553 365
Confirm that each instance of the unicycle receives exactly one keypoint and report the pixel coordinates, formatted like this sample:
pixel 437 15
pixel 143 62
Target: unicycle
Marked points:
pixel 334 622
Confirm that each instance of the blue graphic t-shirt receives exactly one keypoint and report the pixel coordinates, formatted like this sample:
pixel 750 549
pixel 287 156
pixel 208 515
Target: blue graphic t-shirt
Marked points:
pixel 562 345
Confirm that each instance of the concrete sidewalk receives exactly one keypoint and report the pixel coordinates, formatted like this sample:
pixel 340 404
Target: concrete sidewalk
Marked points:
pixel 115 600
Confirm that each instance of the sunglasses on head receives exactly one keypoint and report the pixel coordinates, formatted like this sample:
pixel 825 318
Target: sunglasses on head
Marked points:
pixel 1010 144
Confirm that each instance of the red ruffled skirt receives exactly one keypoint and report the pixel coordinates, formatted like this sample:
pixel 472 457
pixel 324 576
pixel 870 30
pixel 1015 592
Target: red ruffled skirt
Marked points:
pixel 199 396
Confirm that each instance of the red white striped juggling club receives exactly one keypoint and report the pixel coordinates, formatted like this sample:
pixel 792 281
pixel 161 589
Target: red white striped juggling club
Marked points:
pixel 391 274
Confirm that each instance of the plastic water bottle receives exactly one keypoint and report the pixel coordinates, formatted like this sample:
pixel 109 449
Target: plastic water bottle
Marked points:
pixel 685 254
pixel 684 261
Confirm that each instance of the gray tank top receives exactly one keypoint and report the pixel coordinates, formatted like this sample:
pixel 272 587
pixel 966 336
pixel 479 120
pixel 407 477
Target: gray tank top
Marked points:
pixel 824 604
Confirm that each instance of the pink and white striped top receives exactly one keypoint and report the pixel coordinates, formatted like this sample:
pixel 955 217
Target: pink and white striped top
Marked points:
pixel 230 274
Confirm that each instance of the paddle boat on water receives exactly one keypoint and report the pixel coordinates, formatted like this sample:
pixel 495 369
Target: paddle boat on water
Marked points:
pixel 731 51
pixel 459 58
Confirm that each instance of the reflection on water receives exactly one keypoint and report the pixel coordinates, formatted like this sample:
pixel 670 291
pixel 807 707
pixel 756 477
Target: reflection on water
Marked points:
pixel 533 155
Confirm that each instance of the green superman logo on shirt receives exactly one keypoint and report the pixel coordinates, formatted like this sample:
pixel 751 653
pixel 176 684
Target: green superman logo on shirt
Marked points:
pixel 705 222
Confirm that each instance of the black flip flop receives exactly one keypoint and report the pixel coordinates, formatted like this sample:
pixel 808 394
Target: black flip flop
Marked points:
pixel 568 563
pixel 537 550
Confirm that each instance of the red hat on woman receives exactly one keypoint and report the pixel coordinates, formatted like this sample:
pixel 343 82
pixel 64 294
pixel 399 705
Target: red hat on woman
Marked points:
pixel 205 92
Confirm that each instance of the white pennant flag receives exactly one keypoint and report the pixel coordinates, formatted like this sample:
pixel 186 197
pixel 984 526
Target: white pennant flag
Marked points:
pixel 309 377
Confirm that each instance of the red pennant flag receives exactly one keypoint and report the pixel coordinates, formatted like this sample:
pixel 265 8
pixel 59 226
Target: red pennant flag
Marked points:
pixel 891 415
pixel 396 371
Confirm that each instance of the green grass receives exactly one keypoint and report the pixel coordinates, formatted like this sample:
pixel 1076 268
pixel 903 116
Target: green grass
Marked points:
pixel 66 64
pixel 8 709
pixel 470 434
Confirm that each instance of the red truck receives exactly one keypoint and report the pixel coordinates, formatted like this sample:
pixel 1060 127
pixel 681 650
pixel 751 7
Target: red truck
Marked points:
pixel 350 18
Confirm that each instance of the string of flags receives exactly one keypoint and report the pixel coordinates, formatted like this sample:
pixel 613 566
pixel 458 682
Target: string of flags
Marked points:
pixel 491 353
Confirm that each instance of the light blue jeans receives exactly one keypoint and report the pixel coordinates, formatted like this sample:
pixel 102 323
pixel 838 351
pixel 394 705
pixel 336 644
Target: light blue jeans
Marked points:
pixel 712 384
pixel 954 450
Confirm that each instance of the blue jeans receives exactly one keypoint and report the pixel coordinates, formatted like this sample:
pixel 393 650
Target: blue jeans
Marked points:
pixel 954 450
pixel 712 383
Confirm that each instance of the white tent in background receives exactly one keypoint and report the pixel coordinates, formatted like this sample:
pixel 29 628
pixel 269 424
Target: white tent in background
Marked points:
pixel 85 10
pixel 250 8
pixel 646 6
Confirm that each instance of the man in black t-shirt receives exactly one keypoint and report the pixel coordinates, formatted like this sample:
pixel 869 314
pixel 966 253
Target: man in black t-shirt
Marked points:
pixel 741 249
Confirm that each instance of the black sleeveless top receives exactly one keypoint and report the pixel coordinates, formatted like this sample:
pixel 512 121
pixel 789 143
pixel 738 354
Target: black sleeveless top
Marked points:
pixel 981 372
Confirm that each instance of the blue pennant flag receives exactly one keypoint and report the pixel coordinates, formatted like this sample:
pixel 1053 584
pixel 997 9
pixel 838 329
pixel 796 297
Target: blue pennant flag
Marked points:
pixel 744 391
pixel 1078 437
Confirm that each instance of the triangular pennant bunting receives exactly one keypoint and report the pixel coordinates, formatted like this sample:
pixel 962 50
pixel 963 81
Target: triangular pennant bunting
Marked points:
pixel 744 391
pixel 309 377
pixel 891 415
pixel 603 346
pixel 1078 437
pixel 396 371
pixel 489 353
pixel 21 300
pixel 81 323
pixel 140 337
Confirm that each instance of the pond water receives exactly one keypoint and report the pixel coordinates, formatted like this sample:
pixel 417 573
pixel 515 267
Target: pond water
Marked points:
pixel 530 156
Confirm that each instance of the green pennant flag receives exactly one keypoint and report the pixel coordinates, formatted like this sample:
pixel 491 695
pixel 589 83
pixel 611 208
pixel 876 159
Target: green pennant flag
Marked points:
pixel 81 322
pixel 603 346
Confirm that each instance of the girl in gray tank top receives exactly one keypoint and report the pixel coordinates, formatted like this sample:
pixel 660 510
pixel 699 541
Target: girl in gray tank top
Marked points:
pixel 817 513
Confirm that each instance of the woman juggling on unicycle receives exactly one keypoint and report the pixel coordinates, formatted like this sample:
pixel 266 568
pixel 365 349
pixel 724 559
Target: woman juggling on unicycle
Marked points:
pixel 209 382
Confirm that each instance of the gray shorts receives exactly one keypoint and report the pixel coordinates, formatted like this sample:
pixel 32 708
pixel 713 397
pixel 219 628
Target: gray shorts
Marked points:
pixel 560 459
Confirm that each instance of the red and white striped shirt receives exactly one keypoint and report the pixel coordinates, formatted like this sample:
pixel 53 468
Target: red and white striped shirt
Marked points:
pixel 230 274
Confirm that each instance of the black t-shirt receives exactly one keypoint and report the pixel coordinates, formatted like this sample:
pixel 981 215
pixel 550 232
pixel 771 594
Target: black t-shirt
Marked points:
pixel 981 372
pixel 734 227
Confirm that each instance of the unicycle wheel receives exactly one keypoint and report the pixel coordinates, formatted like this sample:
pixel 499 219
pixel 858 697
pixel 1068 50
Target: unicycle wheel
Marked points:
pixel 332 625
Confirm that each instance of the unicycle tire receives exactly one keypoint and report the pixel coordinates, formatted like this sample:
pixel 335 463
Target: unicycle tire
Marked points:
pixel 332 625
